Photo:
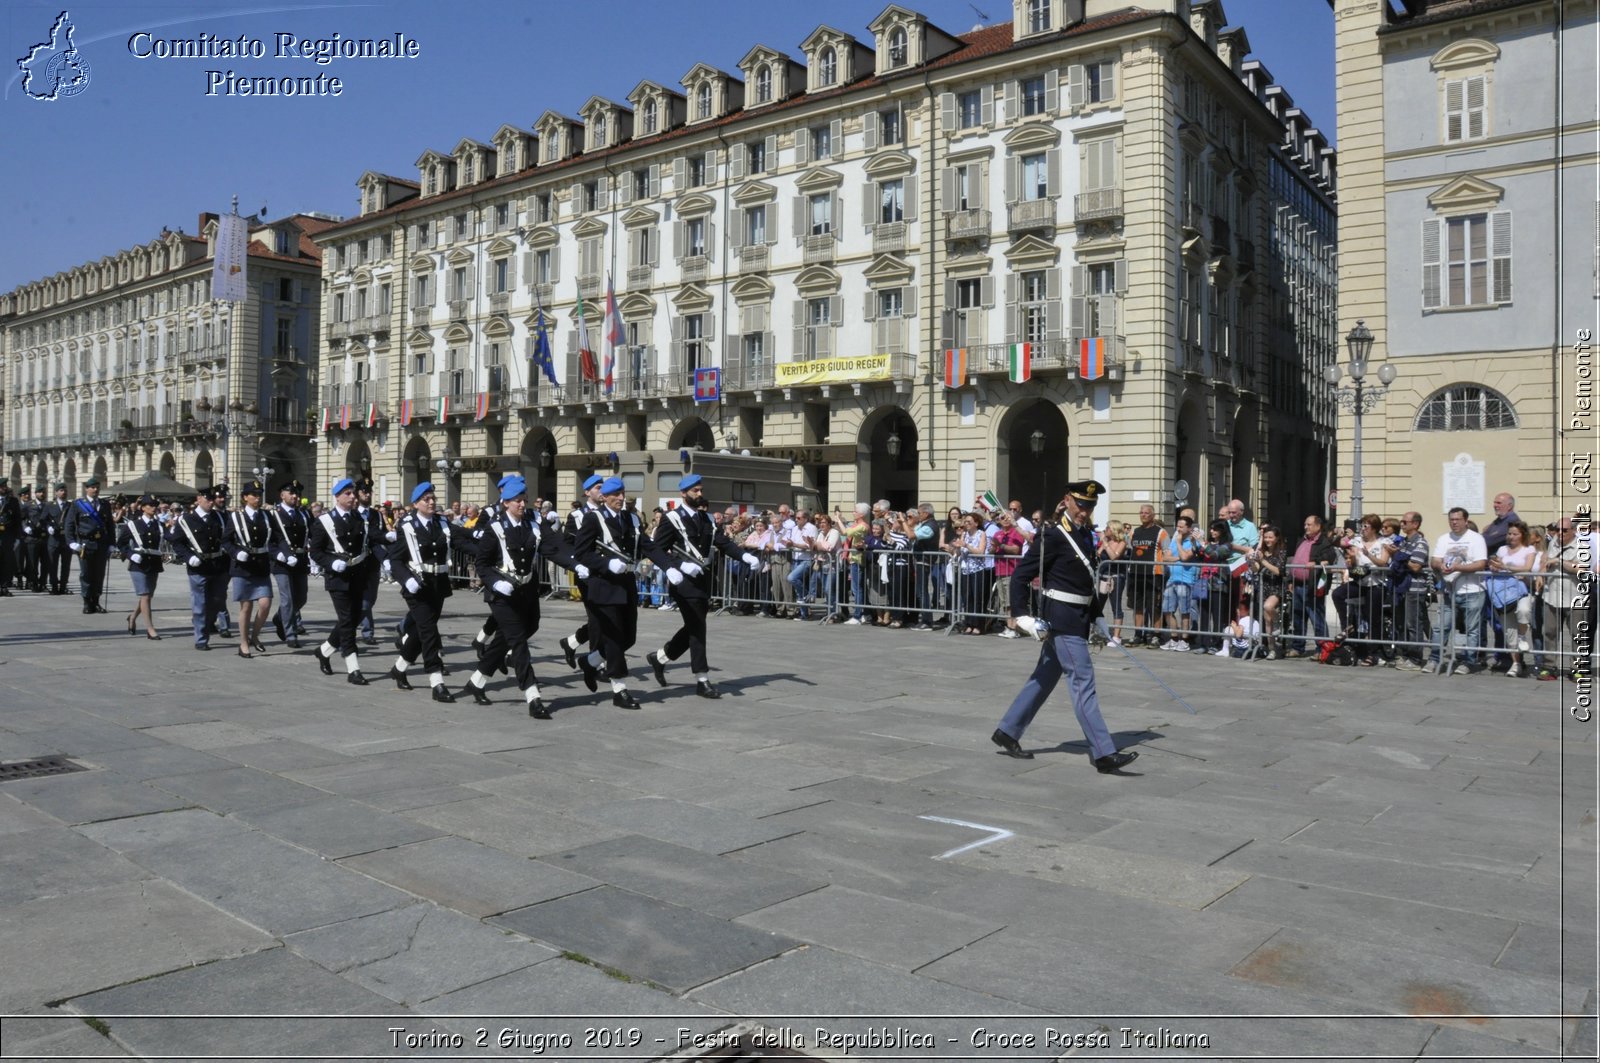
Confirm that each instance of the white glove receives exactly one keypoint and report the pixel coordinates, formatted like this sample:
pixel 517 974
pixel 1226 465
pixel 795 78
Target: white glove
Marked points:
pixel 413 587
pixel 617 566
pixel 386 567
pixel 750 559
pixel 691 569
pixel 194 560
pixel 75 547
pixel 280 557
pixel 504 588
pixel 339 566
pixel 136 558
pixel 291 560
pixel 316 570
pixel 242 555
pixel 674 577
pixel 392 536
pixel 581 571
pixel 1028 626
pixel 27 529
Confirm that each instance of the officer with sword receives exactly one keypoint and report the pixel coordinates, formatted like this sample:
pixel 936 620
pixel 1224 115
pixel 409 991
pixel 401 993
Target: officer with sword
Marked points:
pixel 609 543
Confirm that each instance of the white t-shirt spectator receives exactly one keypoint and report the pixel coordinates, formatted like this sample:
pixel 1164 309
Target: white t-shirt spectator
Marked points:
pixel 796 538
pixel 1245 630
pixel 1454 551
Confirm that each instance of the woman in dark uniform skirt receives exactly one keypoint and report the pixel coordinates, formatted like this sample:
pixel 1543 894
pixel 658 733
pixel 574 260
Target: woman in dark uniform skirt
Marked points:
pixel 139 539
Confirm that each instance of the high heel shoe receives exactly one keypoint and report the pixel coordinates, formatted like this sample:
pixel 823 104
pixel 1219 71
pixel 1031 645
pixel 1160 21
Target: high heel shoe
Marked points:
pixel 245 655
pixel 131 619
pixel 152 636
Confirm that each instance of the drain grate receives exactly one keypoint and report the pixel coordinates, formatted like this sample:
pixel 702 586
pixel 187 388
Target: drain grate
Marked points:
pixel 33 769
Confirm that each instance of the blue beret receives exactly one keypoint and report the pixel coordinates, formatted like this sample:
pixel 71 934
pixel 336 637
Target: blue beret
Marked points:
pixel 423 488
pixel 593 481
pixel 689 481
pixel 342 485
pixel 612 485
pixel 514 487
pixel 507 478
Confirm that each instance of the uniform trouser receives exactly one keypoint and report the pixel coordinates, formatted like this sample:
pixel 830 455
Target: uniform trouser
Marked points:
pixel 92 573
pixel 346 610
pixel 8 559
pixel 292 587
pixel 369 598
pixel 517 618
pixel 615 628
pixel 421 637
pixel 782 590
pixel 1069 654
pixel 33 560
pixel 692 635
pixel 59 565
pixel 208 595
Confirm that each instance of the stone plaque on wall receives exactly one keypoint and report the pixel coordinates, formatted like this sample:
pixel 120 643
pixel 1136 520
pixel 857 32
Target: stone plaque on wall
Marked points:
pixel 1463 484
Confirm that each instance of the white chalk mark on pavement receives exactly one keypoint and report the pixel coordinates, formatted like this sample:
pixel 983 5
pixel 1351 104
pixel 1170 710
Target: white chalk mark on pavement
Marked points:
pixel 996 834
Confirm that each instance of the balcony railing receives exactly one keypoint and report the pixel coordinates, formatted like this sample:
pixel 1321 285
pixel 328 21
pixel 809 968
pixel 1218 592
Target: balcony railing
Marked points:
pixel 292 423
pixel 753 258
pixel 500 303
pixel 590 285
pixel 968 224
pixel 693 267
pixel 421 315
pixel 748 376
pixel 639 277
pixel 144 432
pixel 544 293
pixel 888 237
pixel 97 437
pixel 358 394
pixel 458 309
pixel 820 249
pixel 338 330
pixel 1098 203
pixel 1031 214
pixel 199 430
pixel 195 355
pixel 1049 356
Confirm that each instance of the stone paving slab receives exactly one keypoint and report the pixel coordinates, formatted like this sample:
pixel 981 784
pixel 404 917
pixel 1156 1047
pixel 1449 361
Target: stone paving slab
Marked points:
pixel 62 1036
pixel 280 754
pixel 515 826
pixel 409 798
pixel 84 735
pixel 558 791
pixel 160 828
pixel 206 735
pixel 872 868
pixel 90 796
pixel 683 876
pixel 452 764
pixel 89 941
pixel 143 763
pixel 891 932
pixel 17 818
pixel 239 790
pixel 1089 866
pixel 364 776
pixel 416 953
pixel 711 830
pixel 54 862
pixel 337 827
pixel 468 877
pixel 674 947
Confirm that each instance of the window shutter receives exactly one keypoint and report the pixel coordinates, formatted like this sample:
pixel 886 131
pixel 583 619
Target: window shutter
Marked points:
pixel 1500 255
pixel 411 237
pixel 678 239
pixel 950 293
pixel 1453 126
pixel 980 185
pixel 947 330
pixel 801 226
pixel 869 201
pixel 1475 111
pixel 1013 178
pixel 711 167
pixel 1119 279
pixel 1432 237
pixel 1078 307
pixel 837 217
pixel 1077 92
pixel 986 292
pixel 836 136
pixel 675 347
pixel 1052 285
pixel 1013 312
pixel 711 240
pixel 555 264
pixel 577 197
pixel 736 156
pixel 527 266
pixel 908 301
pixel 870 131
pixel 470 281
pixel 835 310
pixel 605 191
pixel 1108 81
pixel 947 112
pixel 986 105
pixel 1052 321
pixel 1052 169
pixel 799 328
pixel 771 151
pixel 511 273
pixel 655 180
pixel 708 327
pixel 947 194
pixel 625 188
pixel 870 307
pixel 911 197
pixel 802 146
pixel 1012 96
pixel 1052 91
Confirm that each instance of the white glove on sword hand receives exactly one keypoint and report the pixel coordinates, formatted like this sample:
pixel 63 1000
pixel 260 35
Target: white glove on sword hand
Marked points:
pixel 1030 626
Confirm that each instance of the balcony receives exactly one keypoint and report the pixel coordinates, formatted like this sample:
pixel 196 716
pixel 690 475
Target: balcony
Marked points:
pixel 290 355
pixel 693 267
pixel 421 315
pixel 196 355
pixel 753 258
pixel 640 277
pixel 98 437
pixel 1097 204
pixel 968 224
pixel 1031 214
pixel 289 422
pixel 358 394
pixel 145 432
pixel 544 293
pixel 590 285
pixel 368 324
pixel 500 303
pixel 458 309
pixel 888 237
pixel 199 430
pixel 1051 356
pixel 819 249
pixel 338 330
pixel 747 376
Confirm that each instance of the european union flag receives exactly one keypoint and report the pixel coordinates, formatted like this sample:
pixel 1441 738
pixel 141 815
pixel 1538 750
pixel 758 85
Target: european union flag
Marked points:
pixel 541 350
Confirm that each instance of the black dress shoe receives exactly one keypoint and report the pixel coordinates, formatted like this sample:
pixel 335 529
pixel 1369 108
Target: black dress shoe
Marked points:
pixel 201 646
pixel 98 608
pixel 1009 746
pixel 400 680
pixel 624 700
pixel 570 654
pixel 442 693
pixel 357 679
pixel 658 666
pixel 225 633
pixel 292 642
pixel 323 662
pixel 591 678
pixel 258 646
pixel 277 625
pixel 369 640
pixel 1112 763
pixel 477 693
pixel 88 609
pixel 706 690
pixel 538 710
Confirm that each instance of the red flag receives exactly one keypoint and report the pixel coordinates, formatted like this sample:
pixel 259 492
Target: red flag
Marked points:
pixel 588 370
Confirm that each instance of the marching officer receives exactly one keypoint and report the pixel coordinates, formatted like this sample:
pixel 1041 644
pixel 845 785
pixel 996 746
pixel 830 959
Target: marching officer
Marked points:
pixel 341 545
pixel 59 560
pixel 609 543
pixel 688 536
pixel 591 503
pixel 140 540
pixel 380 536
pixel 250 544
pixel 224 620
pixel 290 562
pixel 490 510
pixel 508 567
pixel 1061 557
pixel 199 540
pixel 90 533
pixel 421 565
pixel 35 539
pixel 10 536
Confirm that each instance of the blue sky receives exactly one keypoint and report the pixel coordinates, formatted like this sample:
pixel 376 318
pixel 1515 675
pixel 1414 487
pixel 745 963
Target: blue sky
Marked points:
pixel 143 146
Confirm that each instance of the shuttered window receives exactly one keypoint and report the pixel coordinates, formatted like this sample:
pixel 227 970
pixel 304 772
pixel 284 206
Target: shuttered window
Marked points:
pixel 1466 261
pixel 1465 110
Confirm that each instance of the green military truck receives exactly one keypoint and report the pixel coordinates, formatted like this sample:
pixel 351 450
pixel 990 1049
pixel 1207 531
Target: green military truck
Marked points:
pixel 745 481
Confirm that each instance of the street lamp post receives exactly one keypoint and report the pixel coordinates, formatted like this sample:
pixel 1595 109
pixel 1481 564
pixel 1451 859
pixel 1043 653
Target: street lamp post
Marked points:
pixel 1359 397
pixel 448 468
pixel 1036 447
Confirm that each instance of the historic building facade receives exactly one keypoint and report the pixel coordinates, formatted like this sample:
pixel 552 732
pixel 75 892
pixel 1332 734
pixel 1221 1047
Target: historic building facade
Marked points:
pixel 1469 235
pixel 127 364
pixel 1078 204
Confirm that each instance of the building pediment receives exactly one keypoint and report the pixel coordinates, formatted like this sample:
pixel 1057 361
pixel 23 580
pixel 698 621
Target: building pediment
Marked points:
pixel 431 158
pixel 758 55
pixel 694 204
pixel 422 264
pixel 1031 251
pixel 459 257
pixel 501 246
pixel 420 337
pixel 888 270
pixel 1471 52
pixel 458 333
pixel 362 276
pixel 752 289
pixel 892 15
pixel 700 71
pixel 544 236
pixel 692 299
pixel 636 306
pixel 754 192
pixel 509 132
pixel 825 35
pixel 497 327
pixel 1466 193
pixel 589 227
pixel 820 180
pixel 1033 135
pixel 969 265
pixel 890 164
pixel 817 280
pixel 639 217
pixel 1192 137
pixel 467 145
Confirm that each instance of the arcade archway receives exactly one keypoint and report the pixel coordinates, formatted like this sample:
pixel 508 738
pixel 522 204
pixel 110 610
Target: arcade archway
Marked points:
pixel 536 460
pixel 890 439
pixel 1034 456
pixel 693 433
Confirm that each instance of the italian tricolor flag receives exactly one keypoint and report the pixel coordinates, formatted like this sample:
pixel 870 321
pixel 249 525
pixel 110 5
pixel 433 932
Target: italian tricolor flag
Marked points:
pixel 1021 357
pixel 444 407
pixel 372 414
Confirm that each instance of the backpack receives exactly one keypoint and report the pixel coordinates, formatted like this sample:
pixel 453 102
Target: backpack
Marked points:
pixel 1334 651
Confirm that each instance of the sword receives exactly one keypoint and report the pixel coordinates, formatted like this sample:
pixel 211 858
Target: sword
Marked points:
pixel 1104 633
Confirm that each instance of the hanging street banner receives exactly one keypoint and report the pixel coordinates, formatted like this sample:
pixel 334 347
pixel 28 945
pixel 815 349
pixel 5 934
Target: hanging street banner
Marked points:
pixel 832 370
pixel 228 264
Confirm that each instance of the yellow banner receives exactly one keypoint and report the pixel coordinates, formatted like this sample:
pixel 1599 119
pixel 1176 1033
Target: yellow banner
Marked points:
pixel 833 370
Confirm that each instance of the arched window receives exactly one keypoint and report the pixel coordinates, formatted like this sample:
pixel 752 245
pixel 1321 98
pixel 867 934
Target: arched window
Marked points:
pixel 1465 408
pixel 897 46
pixel 764 85
pixel 599 130
pixel 828 67
pixel 650 116
pixel 702 100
